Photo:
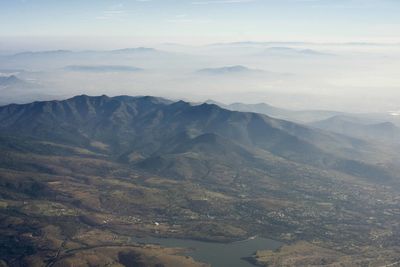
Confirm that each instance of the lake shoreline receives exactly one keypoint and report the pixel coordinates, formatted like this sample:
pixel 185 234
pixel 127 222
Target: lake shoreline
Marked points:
pixel 219 254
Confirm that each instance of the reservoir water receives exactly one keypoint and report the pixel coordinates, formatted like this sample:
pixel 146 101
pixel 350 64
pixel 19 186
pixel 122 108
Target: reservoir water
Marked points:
pixel 217 254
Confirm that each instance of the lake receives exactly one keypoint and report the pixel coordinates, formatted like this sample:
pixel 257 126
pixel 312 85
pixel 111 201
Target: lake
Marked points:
pixel 217 254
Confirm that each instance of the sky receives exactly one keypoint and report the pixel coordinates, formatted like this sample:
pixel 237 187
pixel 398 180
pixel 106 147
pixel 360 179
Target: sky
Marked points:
pixel 197 21
pixel 334 51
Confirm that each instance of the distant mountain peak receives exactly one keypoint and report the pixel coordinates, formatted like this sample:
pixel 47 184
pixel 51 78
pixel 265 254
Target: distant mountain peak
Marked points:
pixel 85 96
pixel 102 68
pixel 61 52
pixel 236 69
pixel 134 50
pixel 45 52
pixel 208 106
pixel 387 125
pixel 10 80
pixel 293 51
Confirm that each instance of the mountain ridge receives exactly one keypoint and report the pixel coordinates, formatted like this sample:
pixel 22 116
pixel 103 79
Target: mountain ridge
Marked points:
pixel 91 169
pixel 143 125
pixel 226 70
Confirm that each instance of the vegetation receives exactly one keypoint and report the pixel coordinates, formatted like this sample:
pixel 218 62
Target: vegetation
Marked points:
pixel 80 177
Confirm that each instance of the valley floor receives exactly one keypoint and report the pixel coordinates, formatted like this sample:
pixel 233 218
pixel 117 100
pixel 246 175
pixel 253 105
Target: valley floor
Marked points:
pixel 81 210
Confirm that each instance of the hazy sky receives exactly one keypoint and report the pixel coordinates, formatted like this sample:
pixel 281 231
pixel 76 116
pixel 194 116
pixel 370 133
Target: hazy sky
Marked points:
pixel 200 21
pixel 327 74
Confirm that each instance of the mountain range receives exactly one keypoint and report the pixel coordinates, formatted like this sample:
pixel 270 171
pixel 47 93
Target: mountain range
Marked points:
pixel 134 50
pixel 158 134
pixel 238 69
pixel 356 127
pixel 79 177
pixel 300 116
pixel 102 68
pixel 293 52
pixel 12 80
